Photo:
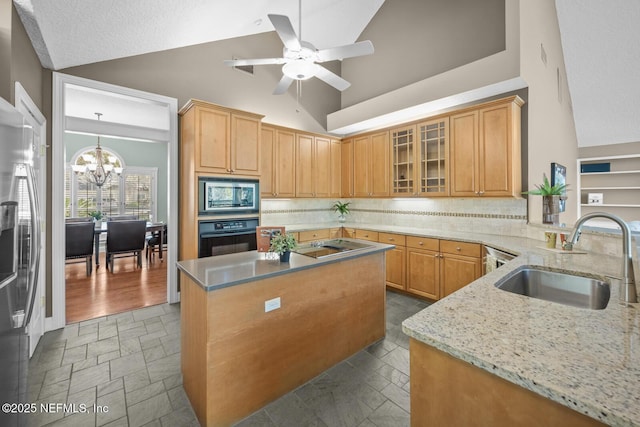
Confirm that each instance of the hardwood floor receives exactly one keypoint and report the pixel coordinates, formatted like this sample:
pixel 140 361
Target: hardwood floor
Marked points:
pixel 127 288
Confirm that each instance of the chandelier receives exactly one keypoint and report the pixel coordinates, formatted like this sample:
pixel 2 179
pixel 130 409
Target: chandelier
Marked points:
pixel 97 168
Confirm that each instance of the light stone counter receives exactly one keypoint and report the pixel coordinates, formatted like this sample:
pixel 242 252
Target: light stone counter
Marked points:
pixel 222 271
pixel 587 360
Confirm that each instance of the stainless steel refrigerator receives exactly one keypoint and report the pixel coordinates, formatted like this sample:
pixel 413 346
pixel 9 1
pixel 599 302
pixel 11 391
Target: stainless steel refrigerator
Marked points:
pixel 19 258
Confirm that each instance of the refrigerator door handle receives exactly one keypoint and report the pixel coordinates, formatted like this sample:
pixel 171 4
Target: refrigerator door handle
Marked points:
pixel 34 267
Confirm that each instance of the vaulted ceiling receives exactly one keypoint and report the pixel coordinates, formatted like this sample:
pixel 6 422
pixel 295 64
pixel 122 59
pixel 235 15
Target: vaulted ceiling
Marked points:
pixel 600 42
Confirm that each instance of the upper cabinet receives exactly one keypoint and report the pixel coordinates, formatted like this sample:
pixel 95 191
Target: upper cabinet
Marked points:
pixel 224 141
pixel 485 150
pixel 318 166
pixel 419 159
pixel 371 165
pixel 278 162
pixel 346 173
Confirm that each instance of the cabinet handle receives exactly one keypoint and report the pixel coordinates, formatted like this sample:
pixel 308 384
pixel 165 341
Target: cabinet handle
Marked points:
pixel 481 192
pixel 391 239
pixel 441 256
pixel 458 248
pixel 421 243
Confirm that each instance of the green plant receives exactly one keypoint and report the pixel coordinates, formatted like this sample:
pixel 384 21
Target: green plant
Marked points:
pixel 342 208
pixel 281 243
pixel 97 215
pixel 546 189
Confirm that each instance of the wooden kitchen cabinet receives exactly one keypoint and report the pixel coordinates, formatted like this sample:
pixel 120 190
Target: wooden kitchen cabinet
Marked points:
pixel 371 165
pixel 365 235
pixel 346 173
pixel 460 264
pixel 225 141
pixel 485 150
pixel 312 235
pixel 317 166
pixel 278 147
pixel 396 260
pixel 437 268
pixel 423 267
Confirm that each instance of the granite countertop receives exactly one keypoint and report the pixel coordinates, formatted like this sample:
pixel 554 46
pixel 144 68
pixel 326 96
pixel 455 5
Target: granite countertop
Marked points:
pixel 587 360
pixel 234 269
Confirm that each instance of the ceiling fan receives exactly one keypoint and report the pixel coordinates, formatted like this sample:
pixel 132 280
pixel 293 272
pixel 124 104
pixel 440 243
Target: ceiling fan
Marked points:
pixel 301 58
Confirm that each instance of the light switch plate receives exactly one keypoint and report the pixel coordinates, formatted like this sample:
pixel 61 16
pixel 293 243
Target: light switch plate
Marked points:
pixel 272 304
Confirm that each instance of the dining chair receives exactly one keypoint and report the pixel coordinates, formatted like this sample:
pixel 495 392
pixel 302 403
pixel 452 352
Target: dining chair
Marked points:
pixel 124 239
pixel 122 218
pixel 79 243
pixel 153 243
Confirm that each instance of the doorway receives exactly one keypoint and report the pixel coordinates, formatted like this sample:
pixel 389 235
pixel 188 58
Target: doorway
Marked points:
pixel 135 116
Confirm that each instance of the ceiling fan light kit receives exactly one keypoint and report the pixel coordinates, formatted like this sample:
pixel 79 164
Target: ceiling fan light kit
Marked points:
pixel 301 58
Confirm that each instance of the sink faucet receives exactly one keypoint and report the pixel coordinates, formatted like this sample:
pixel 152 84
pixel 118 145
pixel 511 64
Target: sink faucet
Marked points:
pixel 628 284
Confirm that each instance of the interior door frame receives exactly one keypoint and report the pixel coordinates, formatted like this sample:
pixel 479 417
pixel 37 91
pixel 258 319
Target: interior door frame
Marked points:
pixel 58 318
pixel 38 122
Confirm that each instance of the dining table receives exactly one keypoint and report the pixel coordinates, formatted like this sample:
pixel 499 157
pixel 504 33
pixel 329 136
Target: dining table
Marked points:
pixel 151 228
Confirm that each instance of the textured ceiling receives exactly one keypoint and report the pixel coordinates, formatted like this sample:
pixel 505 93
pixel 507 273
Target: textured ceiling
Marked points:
pixel 68 33
pixel 601 46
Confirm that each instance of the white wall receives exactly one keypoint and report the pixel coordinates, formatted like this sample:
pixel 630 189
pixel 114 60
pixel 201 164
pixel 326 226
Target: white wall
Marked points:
pixel 551 135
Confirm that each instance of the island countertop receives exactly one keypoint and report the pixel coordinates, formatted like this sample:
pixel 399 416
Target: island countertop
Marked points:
pixel 222 271
pixel 587 360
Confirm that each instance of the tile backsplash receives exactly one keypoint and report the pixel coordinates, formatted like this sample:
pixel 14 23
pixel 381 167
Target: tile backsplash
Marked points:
pixel 495 216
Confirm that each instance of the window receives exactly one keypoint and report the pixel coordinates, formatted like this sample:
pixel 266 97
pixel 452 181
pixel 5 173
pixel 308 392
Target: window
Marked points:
pixel 131 193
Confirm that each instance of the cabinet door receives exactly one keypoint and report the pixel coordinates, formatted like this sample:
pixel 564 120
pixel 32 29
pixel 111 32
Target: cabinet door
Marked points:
pixel 346 175
pixel 462 149
pixel 380 165
pixel 335 181
pixel 213 143
pixel 423 273
pixel 458 271
pixel 322 168
pixel 311 235
pixel 304 165
pixel 285 161
pixel 267 159
pixel 361 167
pixel 245 147
pixel 396 266
pixel 495 151
pixel 403 150
pixel 433 158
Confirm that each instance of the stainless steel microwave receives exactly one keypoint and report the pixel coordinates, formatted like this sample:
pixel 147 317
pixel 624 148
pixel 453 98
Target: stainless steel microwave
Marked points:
pixel 224 196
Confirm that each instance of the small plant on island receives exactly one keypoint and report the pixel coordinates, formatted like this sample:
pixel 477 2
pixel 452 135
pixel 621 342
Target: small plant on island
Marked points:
pixel 281 243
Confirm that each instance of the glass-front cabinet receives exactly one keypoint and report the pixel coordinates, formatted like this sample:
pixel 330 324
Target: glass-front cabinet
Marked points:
pixel 403 160
pixel 420 159
pixel 433 167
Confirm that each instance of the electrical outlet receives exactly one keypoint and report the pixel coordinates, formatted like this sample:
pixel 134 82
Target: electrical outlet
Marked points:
pixel 272 304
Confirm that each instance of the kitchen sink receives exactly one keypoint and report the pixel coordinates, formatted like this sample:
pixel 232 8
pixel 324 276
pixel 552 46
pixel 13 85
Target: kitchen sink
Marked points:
pixel 558 287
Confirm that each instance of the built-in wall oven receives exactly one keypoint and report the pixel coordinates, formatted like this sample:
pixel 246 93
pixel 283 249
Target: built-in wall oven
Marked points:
pixel 226 236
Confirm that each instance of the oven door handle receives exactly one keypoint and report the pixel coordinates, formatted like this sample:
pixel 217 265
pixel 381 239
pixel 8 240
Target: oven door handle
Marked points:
pixel 225 233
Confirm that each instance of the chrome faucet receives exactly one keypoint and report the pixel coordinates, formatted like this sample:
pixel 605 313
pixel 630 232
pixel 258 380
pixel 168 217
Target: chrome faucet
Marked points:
pixel 628 283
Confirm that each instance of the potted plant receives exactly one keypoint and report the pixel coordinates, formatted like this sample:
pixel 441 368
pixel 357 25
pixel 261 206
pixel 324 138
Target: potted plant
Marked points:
pixel 551 195
pixel 97 217
pixel 342 209
pixel 282 244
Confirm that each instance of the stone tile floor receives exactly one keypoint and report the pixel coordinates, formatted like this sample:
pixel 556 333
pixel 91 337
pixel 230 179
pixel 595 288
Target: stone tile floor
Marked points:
pixel 130 364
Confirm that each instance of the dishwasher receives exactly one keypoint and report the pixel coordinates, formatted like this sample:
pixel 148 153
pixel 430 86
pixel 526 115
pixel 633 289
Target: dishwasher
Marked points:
pixel 495 258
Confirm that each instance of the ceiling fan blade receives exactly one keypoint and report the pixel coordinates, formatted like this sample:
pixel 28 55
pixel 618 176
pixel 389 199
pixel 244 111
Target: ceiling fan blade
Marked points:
pixel 285 30
pixel 283 85
pixel 260 61
pixel 331 78
pixel 346 51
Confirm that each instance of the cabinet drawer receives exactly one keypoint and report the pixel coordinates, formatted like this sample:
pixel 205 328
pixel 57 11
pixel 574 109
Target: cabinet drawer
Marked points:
pixel 366 235
pixel 423 243
pixel 348 232
pixel 392 239
pixel 461 248
pixel 309 235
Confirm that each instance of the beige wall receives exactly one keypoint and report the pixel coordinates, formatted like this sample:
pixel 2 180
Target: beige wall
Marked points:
pixel 25 65
pixel 551 134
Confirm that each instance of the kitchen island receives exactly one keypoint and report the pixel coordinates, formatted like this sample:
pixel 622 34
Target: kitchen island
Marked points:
pixel 254 329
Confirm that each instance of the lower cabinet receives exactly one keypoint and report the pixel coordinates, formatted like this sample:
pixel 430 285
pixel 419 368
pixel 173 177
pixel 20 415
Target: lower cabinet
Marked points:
pixel 460 264
pixel 396 260
pixel 423 267
pixel 311 235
